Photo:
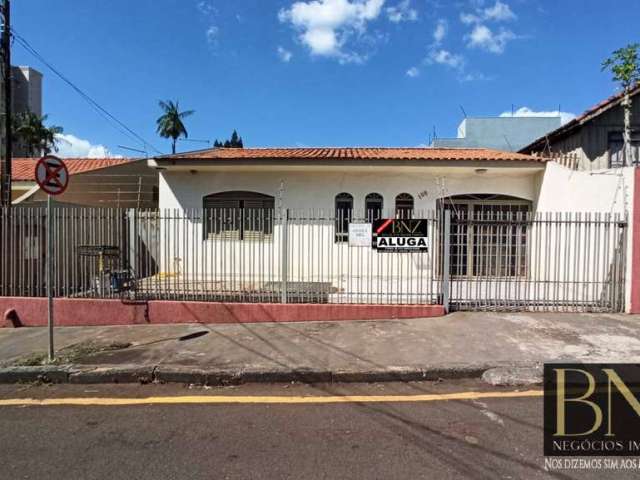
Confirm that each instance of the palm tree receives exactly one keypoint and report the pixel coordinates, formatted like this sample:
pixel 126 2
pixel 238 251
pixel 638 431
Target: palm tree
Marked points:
pixel 170 122
pixel 625 67
pixel 31 133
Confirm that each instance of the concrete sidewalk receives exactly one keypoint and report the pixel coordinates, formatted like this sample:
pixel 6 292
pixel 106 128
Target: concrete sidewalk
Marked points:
pixel 458 345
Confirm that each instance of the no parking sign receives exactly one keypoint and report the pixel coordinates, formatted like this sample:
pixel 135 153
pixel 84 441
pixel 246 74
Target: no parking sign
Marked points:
pixel 52 175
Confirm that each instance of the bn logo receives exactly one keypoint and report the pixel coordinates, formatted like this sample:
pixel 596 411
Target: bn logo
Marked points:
pixel 591 409
pixel 401 235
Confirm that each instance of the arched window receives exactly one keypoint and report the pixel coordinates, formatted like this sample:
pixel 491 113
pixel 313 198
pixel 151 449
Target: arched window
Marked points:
pixel 344 212
pixel 373 206
pixel 404 206
pixel 238 214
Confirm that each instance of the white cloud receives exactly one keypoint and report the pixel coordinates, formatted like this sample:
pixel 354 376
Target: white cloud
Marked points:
pixel 402 12
pixel 72 146
pixel 473 77
pixel 212 35
pixel 484 38
pixel 527 112
pixel 210 13
pixel 469 18
pixel 445 57
pixel 206 7
pixel 499 12
pixel 440 31
pixel 413 72
pixel 325 26
pixel 284 54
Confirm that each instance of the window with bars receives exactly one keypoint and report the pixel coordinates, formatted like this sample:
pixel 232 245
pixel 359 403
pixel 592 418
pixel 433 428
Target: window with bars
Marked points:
pixel 488 235
pixel 373 204
pixel 615 145
pixel 404 206
pixel 344 213
pixel 238 215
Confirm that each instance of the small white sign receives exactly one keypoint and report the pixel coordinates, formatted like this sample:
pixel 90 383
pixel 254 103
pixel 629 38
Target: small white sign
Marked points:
pixel 360 235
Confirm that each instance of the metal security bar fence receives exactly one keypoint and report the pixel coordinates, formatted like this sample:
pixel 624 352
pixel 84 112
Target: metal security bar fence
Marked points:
pixel 267 255
pixel 89 245
pixel 497 258
pixel 519 260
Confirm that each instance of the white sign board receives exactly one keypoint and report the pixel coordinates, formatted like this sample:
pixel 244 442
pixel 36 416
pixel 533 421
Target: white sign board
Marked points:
pixel 360 235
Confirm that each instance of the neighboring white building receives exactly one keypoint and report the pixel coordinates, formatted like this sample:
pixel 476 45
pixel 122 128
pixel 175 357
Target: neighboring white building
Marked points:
pixel 502 133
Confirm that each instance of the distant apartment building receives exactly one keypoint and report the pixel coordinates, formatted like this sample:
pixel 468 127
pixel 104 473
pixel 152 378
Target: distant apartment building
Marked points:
pixel 27 90
pixel 26 96
pixel 499 133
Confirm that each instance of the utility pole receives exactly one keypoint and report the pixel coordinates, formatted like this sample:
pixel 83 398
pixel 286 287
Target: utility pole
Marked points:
pixel 5 48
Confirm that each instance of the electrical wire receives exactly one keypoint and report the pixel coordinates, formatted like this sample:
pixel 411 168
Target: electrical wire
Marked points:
pixel 121 126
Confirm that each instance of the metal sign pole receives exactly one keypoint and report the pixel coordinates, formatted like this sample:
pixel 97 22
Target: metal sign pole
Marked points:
pixel 52 176
pixel 49 276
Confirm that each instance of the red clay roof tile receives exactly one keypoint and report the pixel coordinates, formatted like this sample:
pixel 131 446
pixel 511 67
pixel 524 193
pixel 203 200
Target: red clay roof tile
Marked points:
pixel 23 169
pixel 363 153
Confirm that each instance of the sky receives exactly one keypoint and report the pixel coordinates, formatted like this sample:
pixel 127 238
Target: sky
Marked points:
pixel 314 72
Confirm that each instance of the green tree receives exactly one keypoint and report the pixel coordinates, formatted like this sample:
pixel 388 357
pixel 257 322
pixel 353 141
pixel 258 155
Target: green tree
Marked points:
pixel 170 124
pixel 625 68
pixel 234 142
pixel 32 134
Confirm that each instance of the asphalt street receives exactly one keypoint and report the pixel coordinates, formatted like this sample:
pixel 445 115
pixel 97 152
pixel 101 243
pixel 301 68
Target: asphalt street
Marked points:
pixel 492 436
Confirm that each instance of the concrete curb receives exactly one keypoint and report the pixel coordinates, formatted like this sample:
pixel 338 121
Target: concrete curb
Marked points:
pixel 188 375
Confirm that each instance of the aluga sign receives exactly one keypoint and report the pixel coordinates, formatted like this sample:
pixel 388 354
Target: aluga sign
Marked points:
pixel 401 235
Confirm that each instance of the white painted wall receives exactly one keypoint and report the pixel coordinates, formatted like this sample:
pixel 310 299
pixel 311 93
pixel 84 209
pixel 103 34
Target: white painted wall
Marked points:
pixel 317 189
pixel 356 273
pixel 566 190
pixel 608 191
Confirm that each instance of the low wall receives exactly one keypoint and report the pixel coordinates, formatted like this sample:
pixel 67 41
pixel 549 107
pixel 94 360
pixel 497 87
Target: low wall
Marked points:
pixel 32 312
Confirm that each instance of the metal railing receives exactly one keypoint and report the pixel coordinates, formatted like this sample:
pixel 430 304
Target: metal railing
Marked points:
pixel 495 260
pixel 544 261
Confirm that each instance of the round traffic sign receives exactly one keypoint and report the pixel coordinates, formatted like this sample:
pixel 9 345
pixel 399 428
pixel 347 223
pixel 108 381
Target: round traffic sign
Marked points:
pixel 52 175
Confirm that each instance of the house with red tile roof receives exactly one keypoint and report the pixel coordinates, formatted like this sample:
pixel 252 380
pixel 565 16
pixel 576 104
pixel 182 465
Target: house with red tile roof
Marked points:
pixel 360 179
pixel 227 210
pixel 363 179
pixel 594 139
pixel 97 182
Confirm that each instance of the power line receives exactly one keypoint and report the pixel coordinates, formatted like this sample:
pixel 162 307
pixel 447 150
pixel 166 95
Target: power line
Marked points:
pixel 5 167
pixel 102 111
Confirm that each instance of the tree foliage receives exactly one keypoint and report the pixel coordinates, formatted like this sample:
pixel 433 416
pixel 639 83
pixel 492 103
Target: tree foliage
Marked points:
pixel 31 133
pixel 170 124
pixel 234 142
pixel 624 65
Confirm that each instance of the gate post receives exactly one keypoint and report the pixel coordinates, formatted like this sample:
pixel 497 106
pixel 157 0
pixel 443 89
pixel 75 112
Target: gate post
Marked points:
pixel 132 242
pixel 445 260
pixel 284 254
